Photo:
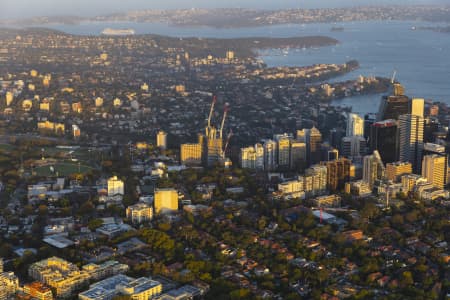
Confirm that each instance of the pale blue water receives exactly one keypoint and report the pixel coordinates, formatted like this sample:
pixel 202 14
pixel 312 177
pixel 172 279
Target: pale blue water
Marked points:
pixel 421 58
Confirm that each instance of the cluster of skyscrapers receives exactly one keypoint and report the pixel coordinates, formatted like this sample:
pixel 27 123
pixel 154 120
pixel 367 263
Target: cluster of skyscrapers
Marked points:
pixel 401 140
pixel 284 152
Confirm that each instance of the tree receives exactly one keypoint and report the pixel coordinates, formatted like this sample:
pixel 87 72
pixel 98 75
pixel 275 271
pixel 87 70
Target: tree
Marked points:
pixel 95 223
pixel 406 279
pixel 43 210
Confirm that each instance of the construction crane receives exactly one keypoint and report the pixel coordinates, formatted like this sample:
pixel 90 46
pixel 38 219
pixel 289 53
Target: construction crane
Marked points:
pixel 225 112
pixel 226 143
pixel 393 76
pixel 211 111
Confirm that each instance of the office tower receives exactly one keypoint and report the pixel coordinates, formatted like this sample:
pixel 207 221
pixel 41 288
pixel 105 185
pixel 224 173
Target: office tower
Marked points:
pixel 283 146
pixel 353 147
pixel 166 200
pixel 391 107
pixel 259 150
pixel 383 138
pixel 313 145
pixel 191 154
pixel 355 125
pixel 411 140
pixel 336 136
pixel 373 168
pixel 301 135
pixel 417 107
pixel 252 157
pixel 369 120
pixel 115 186
pixel 434 169
pixel 338 173
pixel 270 155
pixel 395 170
pixel 298 155
pixel 161 140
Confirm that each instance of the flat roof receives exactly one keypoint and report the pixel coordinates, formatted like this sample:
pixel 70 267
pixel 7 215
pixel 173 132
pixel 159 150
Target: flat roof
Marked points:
pixel 58 241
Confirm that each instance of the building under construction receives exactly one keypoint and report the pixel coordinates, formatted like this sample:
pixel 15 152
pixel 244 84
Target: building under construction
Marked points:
pixel 212 141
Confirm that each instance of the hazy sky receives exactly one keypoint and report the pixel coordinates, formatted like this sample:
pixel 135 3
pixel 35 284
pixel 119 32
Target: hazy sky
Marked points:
pixel 26 8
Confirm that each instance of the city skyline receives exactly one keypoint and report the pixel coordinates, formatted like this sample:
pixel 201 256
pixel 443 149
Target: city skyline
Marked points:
pixel 84 8
pixel 215 159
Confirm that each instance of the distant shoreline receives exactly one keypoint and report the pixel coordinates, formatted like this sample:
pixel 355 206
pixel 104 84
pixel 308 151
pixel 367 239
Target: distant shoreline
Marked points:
pixel 241 18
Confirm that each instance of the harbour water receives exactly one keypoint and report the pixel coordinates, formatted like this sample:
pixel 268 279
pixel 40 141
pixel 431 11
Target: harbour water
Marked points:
pixel 421 58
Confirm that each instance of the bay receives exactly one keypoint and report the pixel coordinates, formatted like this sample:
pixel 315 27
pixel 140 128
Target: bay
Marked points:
pixel 420 58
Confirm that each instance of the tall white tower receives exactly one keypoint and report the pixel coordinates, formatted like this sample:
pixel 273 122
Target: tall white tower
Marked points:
pixel 355 125
pixel 411 139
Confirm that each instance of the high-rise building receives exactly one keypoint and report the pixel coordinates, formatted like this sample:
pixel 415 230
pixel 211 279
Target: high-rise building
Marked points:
pixel 336 136
pixel 313 145
pixel 284 147
pixel 270 155
pixel 318 173
pixel 115 186
pixel 417 107
pixel 338 173
pixel 411 140
pixel 213 149
pixel 298 154
pixel 166 200
pixel 383 138
pixel 395 170
pixel 391 107
pixel 191 154
pixel 434 169
pixel 373 168
pixel 252 157
pixel 355 125
pixel 161 140
pixel 353 147
pixel 399 90
pixel 369 120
